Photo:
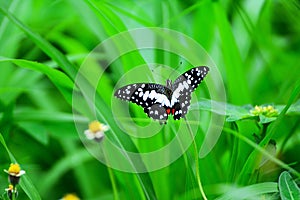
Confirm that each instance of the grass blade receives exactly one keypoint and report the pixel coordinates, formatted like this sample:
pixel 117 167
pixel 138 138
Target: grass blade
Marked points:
pixel 237 86
pixel 62 81
pixel 51 51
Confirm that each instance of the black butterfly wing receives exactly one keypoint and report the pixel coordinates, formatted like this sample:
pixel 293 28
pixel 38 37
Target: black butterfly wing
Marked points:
pixel 154 98
pixel 183 87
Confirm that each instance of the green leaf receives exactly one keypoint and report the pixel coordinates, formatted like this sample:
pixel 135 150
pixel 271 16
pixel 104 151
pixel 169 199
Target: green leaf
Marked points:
pixel 250 192
pixel 263 119
pixel 233 112
pixel 287 187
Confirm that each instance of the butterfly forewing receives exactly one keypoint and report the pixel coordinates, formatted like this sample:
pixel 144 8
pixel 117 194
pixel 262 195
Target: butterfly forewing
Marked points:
pixel 192 77
pixel 154 98
pixel 183 87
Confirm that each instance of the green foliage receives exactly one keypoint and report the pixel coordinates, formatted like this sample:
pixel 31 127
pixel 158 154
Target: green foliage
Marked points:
pixel 254 45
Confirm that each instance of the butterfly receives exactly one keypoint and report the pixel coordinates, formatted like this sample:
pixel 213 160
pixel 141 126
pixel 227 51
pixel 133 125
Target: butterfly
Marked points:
pixel 160 101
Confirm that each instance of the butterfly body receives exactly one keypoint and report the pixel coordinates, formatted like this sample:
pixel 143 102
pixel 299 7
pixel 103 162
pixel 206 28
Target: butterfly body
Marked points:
pixel 160 101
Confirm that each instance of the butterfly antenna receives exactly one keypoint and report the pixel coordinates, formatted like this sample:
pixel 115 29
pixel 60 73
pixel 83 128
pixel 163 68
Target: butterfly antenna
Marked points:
pixel 180 63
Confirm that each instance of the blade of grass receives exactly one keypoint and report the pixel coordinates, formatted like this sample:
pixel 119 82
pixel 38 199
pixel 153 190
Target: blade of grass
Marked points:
pixel 197 171
pixel 129 14
pixel 112 25
pixel 62 82
pixel 52 73
pixel 237 86
pixel 51 51
pixel 263 151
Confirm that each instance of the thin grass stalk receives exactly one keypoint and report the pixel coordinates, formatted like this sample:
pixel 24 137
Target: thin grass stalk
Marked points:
pixel 113 183
pixel 197 171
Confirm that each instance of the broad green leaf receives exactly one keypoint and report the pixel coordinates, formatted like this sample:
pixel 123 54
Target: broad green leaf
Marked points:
pixel 264 120
pixel 236 113
pixel 250 192
pixel 287 187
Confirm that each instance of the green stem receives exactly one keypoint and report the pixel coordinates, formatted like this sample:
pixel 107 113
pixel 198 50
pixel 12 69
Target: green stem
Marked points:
pixel 112 179
pixel 13 195
pixel 234 155
pixel 196 162
pixel 113 183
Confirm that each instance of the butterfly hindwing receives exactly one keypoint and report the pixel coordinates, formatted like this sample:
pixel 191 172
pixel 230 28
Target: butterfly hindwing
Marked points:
pixel 156 111
pixel 183 87
pixel 154 98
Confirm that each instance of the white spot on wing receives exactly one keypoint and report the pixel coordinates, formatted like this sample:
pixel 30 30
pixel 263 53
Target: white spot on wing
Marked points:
pixel 146 95
pixel 160 98
pixel 177 92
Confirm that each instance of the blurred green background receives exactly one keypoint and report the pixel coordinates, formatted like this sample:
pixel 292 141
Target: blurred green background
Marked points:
pixel 255 45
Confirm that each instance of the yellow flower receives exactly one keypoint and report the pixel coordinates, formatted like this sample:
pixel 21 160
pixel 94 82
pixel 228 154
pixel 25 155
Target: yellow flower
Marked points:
pixel 10 191
pixel 70 197
pixel 10 188
pixel 15 170
pixel 15 173
pixel 268 111
pixel 96 131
